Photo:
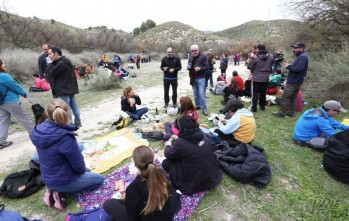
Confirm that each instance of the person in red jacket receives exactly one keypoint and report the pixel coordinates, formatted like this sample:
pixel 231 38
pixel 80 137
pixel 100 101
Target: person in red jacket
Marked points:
pixel 239 80
pixel 39 84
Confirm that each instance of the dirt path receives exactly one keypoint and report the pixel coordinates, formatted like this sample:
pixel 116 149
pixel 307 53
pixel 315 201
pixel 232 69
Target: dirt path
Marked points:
pixel 22 148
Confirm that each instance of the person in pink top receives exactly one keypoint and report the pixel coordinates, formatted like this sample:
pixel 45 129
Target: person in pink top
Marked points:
pixel 39 84
pixel 186 109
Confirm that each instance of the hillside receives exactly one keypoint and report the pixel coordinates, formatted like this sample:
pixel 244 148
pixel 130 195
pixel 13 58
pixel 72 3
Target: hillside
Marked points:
pixel 261 30
pixel 176 32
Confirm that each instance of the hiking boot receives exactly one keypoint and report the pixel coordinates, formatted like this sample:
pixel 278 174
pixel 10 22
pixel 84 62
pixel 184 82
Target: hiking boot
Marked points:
pixel 48 197
pixel 290 114
pixel 278 114
pixel 60 200
pixel 5 144
pixel 197 108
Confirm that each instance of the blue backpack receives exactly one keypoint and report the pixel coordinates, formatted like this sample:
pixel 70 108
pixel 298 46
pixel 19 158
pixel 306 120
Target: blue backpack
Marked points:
pixel 97 214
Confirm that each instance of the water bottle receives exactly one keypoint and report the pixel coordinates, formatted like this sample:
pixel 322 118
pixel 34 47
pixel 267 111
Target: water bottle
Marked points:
pixel 157 119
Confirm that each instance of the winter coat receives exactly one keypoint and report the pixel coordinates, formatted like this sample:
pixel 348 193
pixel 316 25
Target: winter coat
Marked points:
pixel 62 78
pixel 125 105
pixel 315 123
pixel 7 83
pixel 298 69
pixel 61 161
pixel 195 166
pixel 336 157
pixel 261 67
pixel 245 163
pixel 171 62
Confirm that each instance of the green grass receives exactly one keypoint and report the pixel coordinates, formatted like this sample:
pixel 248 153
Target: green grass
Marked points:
pixel 300 189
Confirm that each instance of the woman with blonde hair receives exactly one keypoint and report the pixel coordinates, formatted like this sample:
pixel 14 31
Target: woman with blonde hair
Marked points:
pixel 129 100
pixel 149 196
pixel 61 162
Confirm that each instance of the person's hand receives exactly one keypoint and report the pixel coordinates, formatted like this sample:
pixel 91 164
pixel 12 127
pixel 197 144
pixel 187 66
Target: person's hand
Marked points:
pixel 197 69
pixel 25 95
pixel 174 137
pixel 171 70
pixel 286 64
pixel 165 68
pixel 168 143
pixel 134 93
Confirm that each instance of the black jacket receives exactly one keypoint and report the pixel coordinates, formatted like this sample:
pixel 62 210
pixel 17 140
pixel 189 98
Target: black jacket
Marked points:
pixel 195 166
pixel 171 62
pixel 245 163
pixel 336 157
pixel 125 105
pixel 42 65
pixel 62 78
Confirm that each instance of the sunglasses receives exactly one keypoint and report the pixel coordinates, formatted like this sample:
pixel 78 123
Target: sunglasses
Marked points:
pixel 194 50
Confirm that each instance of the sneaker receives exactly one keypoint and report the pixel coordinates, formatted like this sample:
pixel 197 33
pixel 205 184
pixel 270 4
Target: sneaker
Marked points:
pixel 48 197
pixel 78 124
pixel 278 114
pixel 5 144
pixel 165 106
pixel 205 112
pixel 60 201
pixel 197 108
pixel 174 105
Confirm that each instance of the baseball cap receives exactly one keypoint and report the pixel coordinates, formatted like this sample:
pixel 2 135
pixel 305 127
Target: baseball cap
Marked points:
pixel 298 45
pixel 334 105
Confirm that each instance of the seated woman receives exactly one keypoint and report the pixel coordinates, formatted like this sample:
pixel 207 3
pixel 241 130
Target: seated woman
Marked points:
pixel 186 109
pixel 61 162
pixel 39 84
pixel 240 128
pixel 149 196
pixel 190 160
pixel 129 100
pixel 231 89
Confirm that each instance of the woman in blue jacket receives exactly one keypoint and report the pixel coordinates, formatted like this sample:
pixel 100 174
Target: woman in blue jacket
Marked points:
pixel 9 105
pixel 61 162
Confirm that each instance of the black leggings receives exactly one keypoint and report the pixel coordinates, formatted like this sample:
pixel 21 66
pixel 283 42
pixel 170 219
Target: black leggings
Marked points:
pixel 116 208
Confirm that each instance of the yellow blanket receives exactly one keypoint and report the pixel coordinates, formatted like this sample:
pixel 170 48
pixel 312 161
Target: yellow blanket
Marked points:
pixel 108 151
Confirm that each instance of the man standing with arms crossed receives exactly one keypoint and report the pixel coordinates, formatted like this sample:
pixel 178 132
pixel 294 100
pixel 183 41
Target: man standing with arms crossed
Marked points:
pixel 170 64
pixel 63 82
pixel 296 73
pixel 197 67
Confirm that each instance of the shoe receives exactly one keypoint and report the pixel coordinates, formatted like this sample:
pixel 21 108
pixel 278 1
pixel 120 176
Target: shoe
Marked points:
pixel 5 144
pixel 174 105
pixel 205 112
pixel 48 197
pixel 60 201
pixel 278 114
pixel 78 124
pixel 262 108
pixel 197 108
pixel 253 109
pixel 290 114
pixel 165 106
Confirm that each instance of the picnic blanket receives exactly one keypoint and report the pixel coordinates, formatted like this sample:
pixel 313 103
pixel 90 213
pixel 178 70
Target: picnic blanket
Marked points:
pixel 107 151
pixel 96 198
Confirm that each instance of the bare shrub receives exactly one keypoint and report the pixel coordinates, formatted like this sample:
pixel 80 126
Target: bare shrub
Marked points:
pixel 104 80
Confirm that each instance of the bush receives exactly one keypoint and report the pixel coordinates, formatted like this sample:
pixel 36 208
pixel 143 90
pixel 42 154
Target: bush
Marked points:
pixel 104 80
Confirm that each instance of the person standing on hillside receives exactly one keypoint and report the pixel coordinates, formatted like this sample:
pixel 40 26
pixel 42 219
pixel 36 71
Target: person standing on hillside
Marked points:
pixel 211 68
pixel 170 65
pixel 260 67
pixel 197 67
pixel 42 61
pixel 63 82
pixel 295 78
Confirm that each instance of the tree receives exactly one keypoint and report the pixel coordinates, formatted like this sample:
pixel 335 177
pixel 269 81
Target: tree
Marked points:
pixel 136 31
pixel 145 26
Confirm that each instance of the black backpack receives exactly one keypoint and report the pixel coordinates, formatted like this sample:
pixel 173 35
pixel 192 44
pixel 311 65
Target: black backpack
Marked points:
pixel 21 184
pixel 153 135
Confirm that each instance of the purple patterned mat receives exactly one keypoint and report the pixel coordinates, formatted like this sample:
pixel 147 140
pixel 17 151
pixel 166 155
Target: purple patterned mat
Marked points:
pixel 96 198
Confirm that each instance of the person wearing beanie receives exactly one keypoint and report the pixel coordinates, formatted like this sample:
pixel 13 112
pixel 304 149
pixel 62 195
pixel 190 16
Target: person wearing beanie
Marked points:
pixel 316 125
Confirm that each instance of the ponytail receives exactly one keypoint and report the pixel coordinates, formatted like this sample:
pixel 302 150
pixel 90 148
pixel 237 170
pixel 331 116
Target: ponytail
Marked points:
pixel 57 111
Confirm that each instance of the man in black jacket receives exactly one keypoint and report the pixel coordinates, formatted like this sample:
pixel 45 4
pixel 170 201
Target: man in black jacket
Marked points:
pixel 170 64
pixel 42 61
pixel 63 81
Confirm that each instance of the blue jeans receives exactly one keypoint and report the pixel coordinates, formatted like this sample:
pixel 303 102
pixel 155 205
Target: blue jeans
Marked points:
pixel 85 182
pixel 73 106
pixel 35 157
pixel 199 93
pixel 137 114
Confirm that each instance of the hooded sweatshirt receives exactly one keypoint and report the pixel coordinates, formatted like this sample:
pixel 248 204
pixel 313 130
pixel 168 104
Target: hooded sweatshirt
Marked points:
pixel 7 83
pixel 316 123
pixel 261 66
pixel 241 125
pixel 61 161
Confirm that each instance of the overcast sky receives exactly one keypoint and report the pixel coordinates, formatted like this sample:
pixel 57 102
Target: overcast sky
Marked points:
pixel 127 15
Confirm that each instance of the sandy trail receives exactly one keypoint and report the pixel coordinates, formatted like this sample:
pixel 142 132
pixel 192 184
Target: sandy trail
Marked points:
pixel 22 148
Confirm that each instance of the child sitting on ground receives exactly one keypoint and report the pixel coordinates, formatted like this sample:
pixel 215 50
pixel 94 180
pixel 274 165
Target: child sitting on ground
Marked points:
pixel 39 84
pixel 129 100
pixel 186 109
